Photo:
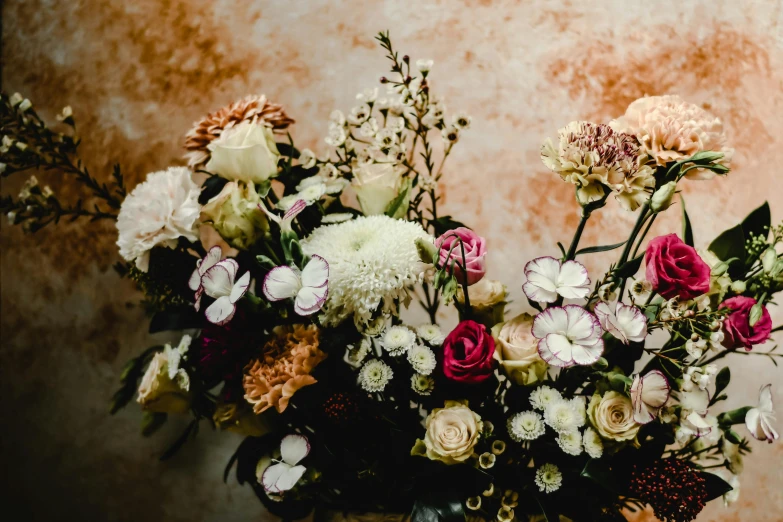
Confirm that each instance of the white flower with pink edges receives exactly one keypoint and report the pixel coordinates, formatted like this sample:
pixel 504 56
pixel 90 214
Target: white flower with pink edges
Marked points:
pixel 568 335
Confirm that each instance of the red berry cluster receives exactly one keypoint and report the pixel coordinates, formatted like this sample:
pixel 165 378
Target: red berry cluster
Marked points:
pixel 673 487
pixel 341 407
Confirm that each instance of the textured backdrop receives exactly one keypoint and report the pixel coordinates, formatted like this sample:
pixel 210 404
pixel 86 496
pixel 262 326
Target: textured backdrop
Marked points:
pixel 139 73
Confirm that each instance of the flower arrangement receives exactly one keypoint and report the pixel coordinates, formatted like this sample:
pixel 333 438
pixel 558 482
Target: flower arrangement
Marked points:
pixel 606 396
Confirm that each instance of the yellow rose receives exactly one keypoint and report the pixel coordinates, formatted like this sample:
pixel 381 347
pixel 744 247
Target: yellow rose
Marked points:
pixel 376 185
pixel 160 393
pixel 487 301
pixel 517 350
pixel 612 416
pixel 234 213
pixel 245 152
pixel 452 432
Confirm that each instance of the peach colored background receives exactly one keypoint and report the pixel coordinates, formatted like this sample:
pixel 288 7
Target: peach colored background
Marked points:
pixel 138 73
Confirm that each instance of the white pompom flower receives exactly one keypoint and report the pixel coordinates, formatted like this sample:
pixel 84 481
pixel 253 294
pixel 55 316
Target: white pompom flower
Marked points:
pixel 543 396
pixel 375 375
pixel 570 442
pixel 568 335
pixel 422 359
pixel 431 333
pixel 563 416
pixel 625 322
pixel 594 447
pixel 528 425
pixel 397 340
pixel 548 478
pixel 422 384
pixel 548 277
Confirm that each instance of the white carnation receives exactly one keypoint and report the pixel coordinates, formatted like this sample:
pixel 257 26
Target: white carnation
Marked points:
pixel 422 359
pixel 527 425
pixel 156 213
pixel 543 396
pixel 431 333
pixel 397 340
pixel 375 375
pixel 373 261
pixel 570 442
pixel 593 444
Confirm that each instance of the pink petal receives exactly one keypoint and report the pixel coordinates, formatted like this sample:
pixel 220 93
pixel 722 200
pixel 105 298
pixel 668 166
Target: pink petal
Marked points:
pixel 298 206
pixel 316 272
pixel 282 282
pixel 221 311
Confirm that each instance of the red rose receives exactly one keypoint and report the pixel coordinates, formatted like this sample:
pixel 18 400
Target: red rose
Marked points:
pixel 468 353
pixel 675 269
pixel 475 251
pixel 736 327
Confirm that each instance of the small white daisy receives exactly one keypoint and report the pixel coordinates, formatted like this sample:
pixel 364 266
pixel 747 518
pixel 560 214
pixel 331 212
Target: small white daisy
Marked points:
pixel 431 333
pixel 543 396
pixel 461 120
pixel 375 375
pixel 548 478
pixel 422 384
pixel 570 442
pixel 593 444
pixel 398 339
pixel 527 425
pixel 563 416
pixel 422 359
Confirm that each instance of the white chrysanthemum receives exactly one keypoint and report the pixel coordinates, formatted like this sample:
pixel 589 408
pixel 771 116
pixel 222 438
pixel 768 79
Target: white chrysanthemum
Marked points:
pixel 570 442
pixel 579 405
pixel 548 478
pixel 563 416
pixel 431 333
pixel 375 375
pixel 593 444
pixel 527 425
pixel 422 359
pixel 398 339
pixel 158 212
pixel 543 396
pixel 422 384
pixel 355 355
pixel 338 217
pixel 373 261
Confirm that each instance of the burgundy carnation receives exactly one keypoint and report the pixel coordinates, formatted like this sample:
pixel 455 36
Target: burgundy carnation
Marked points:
pixel 468 353
pixel 675 269
pixel 736 327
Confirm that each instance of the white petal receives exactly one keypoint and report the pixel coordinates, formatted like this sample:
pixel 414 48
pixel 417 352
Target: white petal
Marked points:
pixel 217 281
pixel 753 423
pixel 695 400
pixel 298 206
pixel 574 274
pixel 221 311
pixel 587 354
pixel 546 354
pixel 560 347
pixel 546 266
pixel 655 389
pixel 765 399
pixel 551 320
pixel 289 479
pixel 294 448
pixel 282 282
pixel 316 272
pixel 632 322
pixel 602 311
pixel 608 321
pixel 700 423
pixel 240 287
pixel 581 324
pixel 641 412
pixel 538 294
pixel 197 304
pixel 310 300
pixel 211 259
pixel 541 282
pixel 194 283
pixel 272 474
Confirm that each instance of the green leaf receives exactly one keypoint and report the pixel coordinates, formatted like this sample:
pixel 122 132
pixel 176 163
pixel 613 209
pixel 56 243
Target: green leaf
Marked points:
pixel 687 230
pixel 211 188
pixel 722 380
pixel 629 268
pixel 732 436
pixel 287 150
pixel 731 243
pixel 603 248
pixel 716 486
pixel 151 421
pixel 265 262
pixel 399 205
pixel 758 222
pixel 597 471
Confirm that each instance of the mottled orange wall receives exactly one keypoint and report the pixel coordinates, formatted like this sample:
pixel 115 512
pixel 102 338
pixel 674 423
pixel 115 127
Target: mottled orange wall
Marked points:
pixel 138 73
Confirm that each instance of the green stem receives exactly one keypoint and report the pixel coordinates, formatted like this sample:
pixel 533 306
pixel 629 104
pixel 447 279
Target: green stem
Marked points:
pixel 577 235
pixel 644 234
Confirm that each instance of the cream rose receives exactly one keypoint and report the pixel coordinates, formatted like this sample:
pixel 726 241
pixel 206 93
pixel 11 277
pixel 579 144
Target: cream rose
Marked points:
pixel 452 432
pixel 245 152
pixel 517 350
pixel 376 186
pixel 158 392
pixel 612 416
pixel 487 301
pixel 235 214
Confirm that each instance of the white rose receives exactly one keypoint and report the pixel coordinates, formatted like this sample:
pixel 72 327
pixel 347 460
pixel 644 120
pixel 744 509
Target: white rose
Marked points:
pixel 612 416
pixel 234 213
pixel 245 152
pixel 160 393
pixel 517 350
pixel 376 185
pixel 452 433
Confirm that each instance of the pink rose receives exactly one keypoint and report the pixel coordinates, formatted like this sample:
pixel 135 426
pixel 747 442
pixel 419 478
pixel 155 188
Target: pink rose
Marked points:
pixel 675 269
pixel 736 327
pixel 475 251
pixel 468 352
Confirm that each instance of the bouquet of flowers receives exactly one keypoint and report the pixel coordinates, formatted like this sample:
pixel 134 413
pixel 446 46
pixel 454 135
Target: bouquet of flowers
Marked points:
pixel 288 272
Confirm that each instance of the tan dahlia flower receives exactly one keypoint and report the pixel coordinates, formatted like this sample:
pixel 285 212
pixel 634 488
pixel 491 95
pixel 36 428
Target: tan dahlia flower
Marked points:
pixel 671 129
pixel 249 108
pixel 284 367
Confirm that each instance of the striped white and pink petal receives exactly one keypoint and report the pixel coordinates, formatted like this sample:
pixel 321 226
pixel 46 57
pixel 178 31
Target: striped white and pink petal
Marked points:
pixel 758 420
pixel 649 393
pixel 548 277
pixel 568 335
pixel 625 322
pixel 309 288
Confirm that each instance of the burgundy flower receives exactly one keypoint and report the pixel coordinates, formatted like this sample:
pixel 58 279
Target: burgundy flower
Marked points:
pixel 468 353
pixel 673 487
pixel 475 251
pixel 736 327
pixel 675 269
pixel 221 352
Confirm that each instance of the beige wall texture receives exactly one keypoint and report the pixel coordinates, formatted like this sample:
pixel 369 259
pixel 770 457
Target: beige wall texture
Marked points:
pixel 139 73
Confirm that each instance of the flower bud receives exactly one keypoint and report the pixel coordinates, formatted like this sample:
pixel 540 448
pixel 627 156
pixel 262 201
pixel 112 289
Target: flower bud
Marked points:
pixel 662 198
pixel 755 314
pixel 720 269
pixel 768 259
pixel 427 250
pixel 738 287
